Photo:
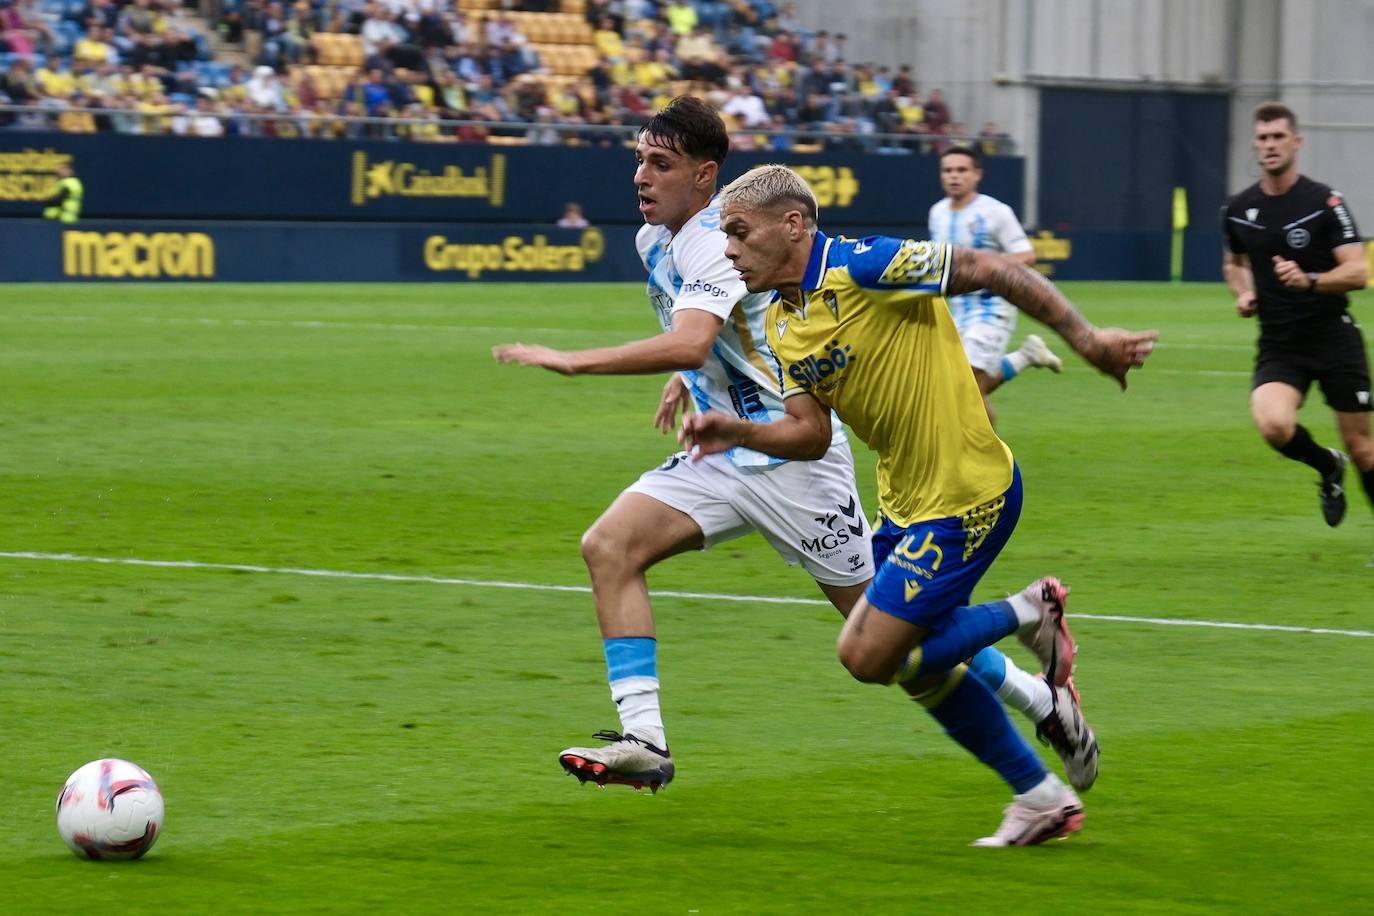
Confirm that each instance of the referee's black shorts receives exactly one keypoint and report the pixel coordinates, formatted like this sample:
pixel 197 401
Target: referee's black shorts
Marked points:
pixel 1330 353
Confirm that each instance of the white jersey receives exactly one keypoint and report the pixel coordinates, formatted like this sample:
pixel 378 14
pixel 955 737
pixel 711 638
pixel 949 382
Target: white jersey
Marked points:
pixel 741 376
pixel 985 223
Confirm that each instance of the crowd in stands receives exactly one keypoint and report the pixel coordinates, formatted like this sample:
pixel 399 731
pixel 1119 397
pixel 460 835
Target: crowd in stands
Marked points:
pixel 501 71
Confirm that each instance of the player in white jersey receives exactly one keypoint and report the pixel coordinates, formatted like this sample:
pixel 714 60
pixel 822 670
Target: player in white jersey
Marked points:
pixel 714 342
pixel 985 320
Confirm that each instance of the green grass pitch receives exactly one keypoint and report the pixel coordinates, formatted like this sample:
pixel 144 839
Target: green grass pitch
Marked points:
pixel 389 745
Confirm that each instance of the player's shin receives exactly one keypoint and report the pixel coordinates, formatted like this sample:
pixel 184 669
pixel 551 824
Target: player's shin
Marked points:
pixel 1301 447
pixel 1020 690
pixel 632 668
pixel 973 717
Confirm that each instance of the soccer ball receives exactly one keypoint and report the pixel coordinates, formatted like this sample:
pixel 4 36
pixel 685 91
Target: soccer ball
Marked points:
pixel 110 809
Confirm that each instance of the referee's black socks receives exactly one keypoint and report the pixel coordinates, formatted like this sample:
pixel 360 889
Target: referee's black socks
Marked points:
pixel 1367 478
pixel 1302 448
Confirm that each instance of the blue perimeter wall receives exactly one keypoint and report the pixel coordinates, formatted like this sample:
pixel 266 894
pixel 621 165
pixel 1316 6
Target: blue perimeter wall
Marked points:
pixel 250 209
pixel 43 251
pixel 178 178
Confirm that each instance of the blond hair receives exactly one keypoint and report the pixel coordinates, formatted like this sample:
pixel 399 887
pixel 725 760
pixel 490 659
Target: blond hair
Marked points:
pixel 769 185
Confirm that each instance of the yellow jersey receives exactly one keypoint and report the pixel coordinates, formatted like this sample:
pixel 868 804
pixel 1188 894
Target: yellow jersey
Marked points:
pixel 872 337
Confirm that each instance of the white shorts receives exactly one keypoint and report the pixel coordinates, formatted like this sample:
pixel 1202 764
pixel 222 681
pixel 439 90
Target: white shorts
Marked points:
pixel 986 334
pixel 808 510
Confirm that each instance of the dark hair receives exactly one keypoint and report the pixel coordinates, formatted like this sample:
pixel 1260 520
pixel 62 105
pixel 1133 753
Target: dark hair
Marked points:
pixel 1274 111
pixel 691 127
pixel 964 151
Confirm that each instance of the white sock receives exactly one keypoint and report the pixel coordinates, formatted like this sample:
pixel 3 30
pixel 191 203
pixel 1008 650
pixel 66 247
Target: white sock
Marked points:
pixel 1019 359
pixel 1026 693
pixel 1047 793
pixel 636 698
pixel 1027 611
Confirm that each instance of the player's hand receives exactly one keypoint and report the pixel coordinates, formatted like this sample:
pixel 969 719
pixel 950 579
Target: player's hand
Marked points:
pixel 1290 274
pixel 675 397
pixel 533 355
pixel 1119 351
pixel 1247 304
pixel 709 433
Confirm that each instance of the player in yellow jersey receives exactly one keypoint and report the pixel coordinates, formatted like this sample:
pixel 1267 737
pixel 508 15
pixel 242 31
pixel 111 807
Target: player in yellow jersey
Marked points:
pixel 714 332
pixel 861 326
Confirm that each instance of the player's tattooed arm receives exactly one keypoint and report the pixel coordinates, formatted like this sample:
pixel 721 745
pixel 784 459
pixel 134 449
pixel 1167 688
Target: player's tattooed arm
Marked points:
pixel 1112 350
pixel 1024 288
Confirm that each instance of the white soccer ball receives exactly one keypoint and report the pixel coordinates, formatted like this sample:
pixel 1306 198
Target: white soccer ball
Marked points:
pixel 110 809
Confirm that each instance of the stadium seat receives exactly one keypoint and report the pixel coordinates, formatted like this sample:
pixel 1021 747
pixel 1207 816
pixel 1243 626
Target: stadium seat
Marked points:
pixel 327 49
pixel 352 46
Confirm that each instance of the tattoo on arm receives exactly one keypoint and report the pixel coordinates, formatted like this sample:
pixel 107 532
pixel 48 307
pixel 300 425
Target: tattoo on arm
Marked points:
pixel 1023 287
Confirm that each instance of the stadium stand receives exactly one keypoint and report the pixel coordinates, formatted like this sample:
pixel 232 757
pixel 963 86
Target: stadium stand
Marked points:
pixel 502 71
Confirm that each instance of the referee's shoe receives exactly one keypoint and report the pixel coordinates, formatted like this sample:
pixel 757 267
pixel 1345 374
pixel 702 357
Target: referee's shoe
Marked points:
pixel 1333 490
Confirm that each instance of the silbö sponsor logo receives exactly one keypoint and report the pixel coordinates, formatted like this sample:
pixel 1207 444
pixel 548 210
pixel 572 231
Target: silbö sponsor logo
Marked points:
pixel 816 371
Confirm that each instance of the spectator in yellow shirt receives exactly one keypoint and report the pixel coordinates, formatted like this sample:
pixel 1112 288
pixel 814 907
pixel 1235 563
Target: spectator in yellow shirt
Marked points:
pixel 155 108
pixel 94 47
pixel 912 111
pixel 654 73
pixel 54 80
pixel 608 42
pixel 77 119
pixel 682 16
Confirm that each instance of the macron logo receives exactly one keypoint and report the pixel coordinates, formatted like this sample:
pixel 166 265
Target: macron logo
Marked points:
pixel 1363 398
pixel 861 247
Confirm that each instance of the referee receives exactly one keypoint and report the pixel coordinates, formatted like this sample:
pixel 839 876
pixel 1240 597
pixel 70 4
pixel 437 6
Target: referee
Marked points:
pixel 1293 253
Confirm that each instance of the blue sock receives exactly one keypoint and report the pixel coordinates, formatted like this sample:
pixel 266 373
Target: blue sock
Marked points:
pixel 631 656
pixel 990 667
pixel 972 716
pixel 967 631
pixel 1008 370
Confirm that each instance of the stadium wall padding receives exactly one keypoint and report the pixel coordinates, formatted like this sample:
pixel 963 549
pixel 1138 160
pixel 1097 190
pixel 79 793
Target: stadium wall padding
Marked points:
pixel 38 250
pixel 301 210
pixel 180 178
pixel 150 251
pixel 1110 188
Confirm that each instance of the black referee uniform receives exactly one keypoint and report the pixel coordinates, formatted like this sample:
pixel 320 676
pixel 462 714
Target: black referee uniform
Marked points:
pixel 1305 336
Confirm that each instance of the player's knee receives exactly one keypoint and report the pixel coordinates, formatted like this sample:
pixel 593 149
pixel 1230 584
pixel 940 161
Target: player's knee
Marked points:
pixel 863 663
pixel 1360 448
pixel 1275 430
pixel 603 551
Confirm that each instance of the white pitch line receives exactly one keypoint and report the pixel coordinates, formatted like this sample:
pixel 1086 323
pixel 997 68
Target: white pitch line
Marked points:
pixel 583 589
pixel 304 324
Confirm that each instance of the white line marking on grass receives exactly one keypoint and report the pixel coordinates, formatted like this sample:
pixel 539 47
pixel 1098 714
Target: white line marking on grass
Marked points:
pixel 294 323
pixel 583 589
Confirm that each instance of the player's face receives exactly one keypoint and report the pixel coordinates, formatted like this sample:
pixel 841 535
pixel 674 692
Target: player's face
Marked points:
pixel 959 177
pixel 762 244
pixel 672 187
pixel 1276 145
